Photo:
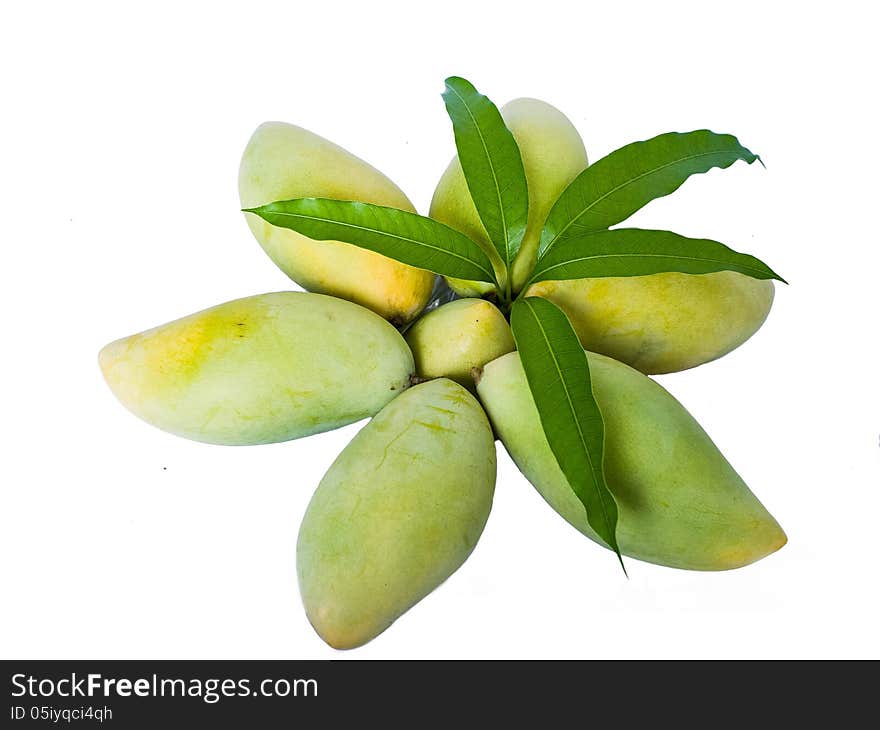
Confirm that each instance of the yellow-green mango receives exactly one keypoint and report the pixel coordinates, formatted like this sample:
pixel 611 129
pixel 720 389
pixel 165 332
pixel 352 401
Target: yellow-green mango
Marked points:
pixel 283 162
pixel 680 502
pixel 662 323
pixel 397 513
pixel 266 368
pixel 553 154
pixel 456 337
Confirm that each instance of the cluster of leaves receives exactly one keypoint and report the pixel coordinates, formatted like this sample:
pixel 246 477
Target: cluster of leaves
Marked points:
pixel 577 242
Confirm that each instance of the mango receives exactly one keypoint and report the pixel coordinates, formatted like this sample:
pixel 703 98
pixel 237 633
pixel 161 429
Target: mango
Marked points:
pixel 456 337
pixel 262 369
pixel 397 513
pixel 662 323
pixel 553 154
pixel 680 502
pixel 283 162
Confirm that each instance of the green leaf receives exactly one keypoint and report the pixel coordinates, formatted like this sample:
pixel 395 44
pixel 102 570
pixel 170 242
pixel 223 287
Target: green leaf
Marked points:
pixel 636 252
pixel 615 187
pixel 398 234
pixel 492 165
pixel 558 375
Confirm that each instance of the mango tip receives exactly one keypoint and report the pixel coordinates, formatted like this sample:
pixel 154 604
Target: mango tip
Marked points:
pixel 104 358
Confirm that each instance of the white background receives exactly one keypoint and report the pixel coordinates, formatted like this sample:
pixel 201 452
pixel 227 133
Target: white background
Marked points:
pixel 121 135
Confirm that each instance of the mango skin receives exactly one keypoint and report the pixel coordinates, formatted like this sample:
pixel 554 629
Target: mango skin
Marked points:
pixel 662 323
pixel 680 502
pixel 456 337
pixel 283 162
pixel 266 368
pixel 553 155
pixel 397 513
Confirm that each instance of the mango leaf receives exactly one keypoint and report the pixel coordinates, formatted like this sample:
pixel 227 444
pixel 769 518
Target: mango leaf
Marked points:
pixel 615 187
pixel 398 234
pixel 558 374
pixel 492 165
pixel 636 252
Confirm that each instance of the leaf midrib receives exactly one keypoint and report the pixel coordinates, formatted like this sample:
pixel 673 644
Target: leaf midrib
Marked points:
pixel 574 415
pixel 646 255
pixel 382 233
pixel 494 177
pixel 623 185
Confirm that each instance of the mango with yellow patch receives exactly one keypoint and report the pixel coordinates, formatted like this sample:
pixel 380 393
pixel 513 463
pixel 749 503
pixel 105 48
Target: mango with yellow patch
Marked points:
pixel 266 368
pixel 397 513
pixel 680 502
pixel 456 337
pixel 284 162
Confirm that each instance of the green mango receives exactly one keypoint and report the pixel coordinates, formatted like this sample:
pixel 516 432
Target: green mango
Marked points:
pixel 283 162
pixel 662 323
pixel 680 502
pixel 456 337
pixel 262 369
pixel 397 513
pixel 553 154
